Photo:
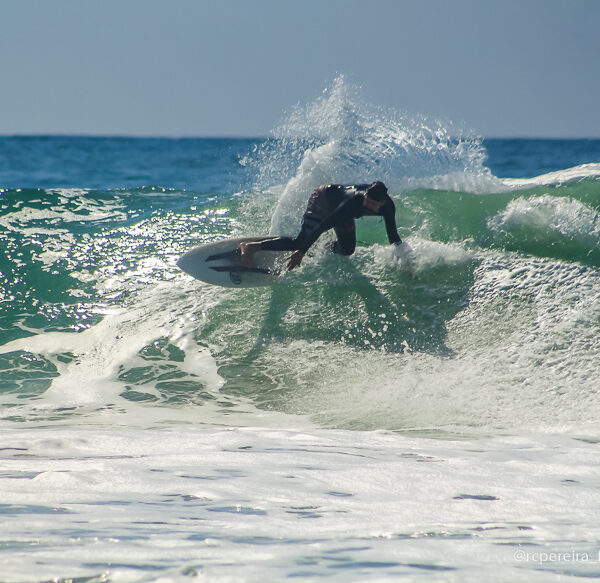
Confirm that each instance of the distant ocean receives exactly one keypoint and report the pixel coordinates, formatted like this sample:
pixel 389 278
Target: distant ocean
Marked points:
pixel 429 413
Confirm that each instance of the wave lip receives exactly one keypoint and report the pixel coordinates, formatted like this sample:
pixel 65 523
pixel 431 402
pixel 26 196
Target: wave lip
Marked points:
pixel 551 215
pixel 558 177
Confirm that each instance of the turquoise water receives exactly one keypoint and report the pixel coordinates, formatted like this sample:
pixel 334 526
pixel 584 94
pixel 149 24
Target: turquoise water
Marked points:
pixel 72 255
pixel 156 428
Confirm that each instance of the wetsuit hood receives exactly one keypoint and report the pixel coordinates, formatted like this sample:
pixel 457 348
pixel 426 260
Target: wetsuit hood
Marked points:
pixel 377 191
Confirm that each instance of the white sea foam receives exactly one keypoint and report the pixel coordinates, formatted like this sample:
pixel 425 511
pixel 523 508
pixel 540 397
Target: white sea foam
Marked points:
pixel 564 216
pixel 416 255
pixel 89 363
pixel 520 351
pixel 56 215
pixel 244 504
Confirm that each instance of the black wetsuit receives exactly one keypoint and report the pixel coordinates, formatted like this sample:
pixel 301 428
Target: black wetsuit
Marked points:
pixel 335 206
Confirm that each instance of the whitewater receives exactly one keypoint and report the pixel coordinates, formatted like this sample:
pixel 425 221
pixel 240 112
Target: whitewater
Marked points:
pixel 426 413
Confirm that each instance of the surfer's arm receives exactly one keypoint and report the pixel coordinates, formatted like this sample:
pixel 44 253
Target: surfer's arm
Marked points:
pixel 390 223
pixel 295 260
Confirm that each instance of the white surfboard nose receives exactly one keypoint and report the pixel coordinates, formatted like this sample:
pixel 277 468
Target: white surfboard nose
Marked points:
pixel 190 261
pixel 219 263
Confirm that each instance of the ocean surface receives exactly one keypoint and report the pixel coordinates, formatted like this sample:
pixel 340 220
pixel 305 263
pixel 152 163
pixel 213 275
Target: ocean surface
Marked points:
pixel 427 413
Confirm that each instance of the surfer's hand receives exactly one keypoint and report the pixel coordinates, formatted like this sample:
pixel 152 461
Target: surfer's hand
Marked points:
pixel 295 260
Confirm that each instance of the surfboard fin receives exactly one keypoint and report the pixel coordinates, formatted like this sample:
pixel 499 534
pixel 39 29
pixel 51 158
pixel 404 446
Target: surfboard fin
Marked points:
pixel 245 269
pixel 234 255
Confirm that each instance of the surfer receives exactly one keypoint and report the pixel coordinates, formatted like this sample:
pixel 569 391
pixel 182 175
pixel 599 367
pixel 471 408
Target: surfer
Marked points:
pixel 332 206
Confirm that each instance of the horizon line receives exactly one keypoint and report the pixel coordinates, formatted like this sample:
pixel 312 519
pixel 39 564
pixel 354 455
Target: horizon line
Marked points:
pixel 244 137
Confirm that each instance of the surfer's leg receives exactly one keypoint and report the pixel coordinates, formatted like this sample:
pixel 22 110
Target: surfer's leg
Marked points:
pixel 346 239
pixel 249 248
pixel 309 223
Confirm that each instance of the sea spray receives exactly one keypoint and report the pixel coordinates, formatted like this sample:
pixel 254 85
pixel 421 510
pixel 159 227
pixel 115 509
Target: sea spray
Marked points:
pixel 341 138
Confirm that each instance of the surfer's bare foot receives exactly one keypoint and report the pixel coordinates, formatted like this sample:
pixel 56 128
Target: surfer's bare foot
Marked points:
pixel 247 251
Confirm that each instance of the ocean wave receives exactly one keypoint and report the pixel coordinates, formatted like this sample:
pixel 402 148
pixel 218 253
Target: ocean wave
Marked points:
pixel 550 217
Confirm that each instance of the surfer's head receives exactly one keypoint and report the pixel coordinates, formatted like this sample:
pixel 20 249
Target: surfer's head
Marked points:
pixel 376 196
pixel 377 191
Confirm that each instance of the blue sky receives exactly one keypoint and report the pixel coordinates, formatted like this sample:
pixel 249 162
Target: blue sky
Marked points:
pixel 233 67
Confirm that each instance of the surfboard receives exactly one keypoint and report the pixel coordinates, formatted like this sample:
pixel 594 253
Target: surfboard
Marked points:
pixel 219 263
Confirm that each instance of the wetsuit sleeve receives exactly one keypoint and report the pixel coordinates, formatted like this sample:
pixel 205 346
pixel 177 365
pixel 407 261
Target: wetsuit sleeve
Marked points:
pixel 345 211
pixel 389 214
